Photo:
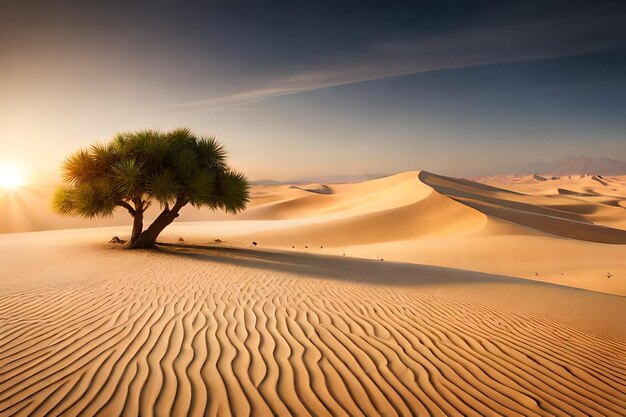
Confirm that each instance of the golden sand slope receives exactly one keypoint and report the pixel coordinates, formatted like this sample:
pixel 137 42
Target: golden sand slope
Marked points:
pixel 525 231
pixel 90 330
pixel 598 198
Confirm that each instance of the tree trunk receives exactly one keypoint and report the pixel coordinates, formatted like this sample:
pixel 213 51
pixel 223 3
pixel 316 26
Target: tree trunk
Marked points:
pixel 137 214
pixel 137 228
pixel 148 237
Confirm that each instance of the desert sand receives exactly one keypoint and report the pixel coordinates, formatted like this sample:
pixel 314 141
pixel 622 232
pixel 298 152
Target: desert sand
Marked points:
pixel 415 294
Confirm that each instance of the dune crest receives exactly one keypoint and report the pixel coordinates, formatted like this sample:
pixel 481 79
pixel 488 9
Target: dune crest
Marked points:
pixel 544 216
pixel 512 226
pixel 314 188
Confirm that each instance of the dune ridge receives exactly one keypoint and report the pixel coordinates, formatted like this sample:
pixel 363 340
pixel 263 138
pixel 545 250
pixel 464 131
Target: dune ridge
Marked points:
pixel 193 331
pixel 549 217
pixel 519 227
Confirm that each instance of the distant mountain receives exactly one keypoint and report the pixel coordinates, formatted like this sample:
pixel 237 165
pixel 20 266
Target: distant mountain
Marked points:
pixel 565 166
pixel 584 165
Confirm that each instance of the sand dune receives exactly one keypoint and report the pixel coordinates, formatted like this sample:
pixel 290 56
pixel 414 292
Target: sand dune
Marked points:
pixel 434 216
pixel 314 188
pixel 289 202
pixel 524 228
pixel 554 217
pixel 476 310
pixel 201 331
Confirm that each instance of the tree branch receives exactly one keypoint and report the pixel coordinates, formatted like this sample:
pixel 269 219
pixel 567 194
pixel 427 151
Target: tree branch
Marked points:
pixel 180 203
pixel 127 206
pixel 139 205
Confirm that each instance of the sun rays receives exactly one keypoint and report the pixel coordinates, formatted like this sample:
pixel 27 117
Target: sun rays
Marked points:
pixel 11 177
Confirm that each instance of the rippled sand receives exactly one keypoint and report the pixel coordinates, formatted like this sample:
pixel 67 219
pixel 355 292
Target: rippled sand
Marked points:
pixel 218 331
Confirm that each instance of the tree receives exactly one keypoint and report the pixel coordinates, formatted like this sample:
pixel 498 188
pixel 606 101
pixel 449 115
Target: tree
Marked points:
pixel 134 170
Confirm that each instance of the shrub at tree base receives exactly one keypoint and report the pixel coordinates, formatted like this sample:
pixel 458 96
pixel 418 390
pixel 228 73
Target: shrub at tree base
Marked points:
pixel 135 170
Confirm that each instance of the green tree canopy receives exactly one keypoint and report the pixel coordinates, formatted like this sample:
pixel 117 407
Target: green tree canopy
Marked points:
pixel 134 170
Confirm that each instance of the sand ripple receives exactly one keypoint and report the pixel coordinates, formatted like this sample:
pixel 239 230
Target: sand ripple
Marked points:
pixel 190 337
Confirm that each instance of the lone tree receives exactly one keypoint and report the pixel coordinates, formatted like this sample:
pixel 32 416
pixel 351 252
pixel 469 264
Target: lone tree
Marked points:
pixel 135 169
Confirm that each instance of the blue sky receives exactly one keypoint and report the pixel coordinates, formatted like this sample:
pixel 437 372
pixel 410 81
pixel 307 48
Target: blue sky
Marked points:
pixel 319 88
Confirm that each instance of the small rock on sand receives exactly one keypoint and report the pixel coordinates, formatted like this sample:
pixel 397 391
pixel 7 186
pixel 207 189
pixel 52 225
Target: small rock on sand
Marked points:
pixel 116 240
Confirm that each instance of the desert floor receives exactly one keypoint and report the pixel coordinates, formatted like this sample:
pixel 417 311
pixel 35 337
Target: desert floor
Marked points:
pixel 415 294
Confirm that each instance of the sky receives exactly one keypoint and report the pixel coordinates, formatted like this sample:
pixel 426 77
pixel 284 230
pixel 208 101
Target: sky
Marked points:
pixel 297 89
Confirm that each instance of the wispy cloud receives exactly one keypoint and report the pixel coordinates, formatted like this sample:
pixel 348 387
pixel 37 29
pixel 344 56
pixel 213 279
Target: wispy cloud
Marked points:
pixel 529 41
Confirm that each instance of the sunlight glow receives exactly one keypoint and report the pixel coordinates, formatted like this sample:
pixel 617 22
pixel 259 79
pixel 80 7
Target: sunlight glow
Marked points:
pixel 10 177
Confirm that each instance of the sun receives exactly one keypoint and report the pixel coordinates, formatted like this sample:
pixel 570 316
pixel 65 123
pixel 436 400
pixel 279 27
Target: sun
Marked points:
pixel 10 177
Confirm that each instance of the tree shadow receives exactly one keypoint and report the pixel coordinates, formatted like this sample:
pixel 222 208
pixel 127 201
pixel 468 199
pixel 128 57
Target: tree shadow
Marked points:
pixel 336 267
